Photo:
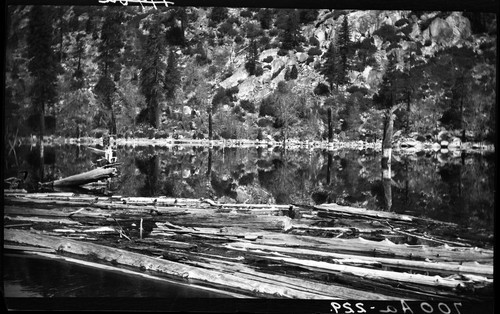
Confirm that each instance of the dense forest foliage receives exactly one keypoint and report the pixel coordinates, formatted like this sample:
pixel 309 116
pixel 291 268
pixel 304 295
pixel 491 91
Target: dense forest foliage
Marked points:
pixel 256 72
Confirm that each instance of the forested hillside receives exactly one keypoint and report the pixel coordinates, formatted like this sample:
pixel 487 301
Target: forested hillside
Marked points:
pixel 250 72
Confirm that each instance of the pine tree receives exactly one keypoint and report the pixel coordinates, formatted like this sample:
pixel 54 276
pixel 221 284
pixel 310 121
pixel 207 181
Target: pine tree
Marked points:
pixel 172 75
pixel 291 31
pixel 109 61
pixel 42 65
pixel 329 68
pixel 388 91
pixel 251 64
pixel 343 46
pixel 153 71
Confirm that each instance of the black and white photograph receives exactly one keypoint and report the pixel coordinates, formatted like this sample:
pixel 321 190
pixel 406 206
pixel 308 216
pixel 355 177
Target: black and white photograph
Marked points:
pixel 255 157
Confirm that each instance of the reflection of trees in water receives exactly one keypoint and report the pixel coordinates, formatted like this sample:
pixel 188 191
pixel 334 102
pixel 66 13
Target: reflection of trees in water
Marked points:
pixel 150 166
pixel 434 185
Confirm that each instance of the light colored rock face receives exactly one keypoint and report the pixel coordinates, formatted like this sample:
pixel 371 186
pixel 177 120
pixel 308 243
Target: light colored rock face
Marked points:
pixel 246 88
pixel 277 64
pixel 460 25
pixel 441 31
pixel 269 52
pixel 186 110
pixel 301 57
pixel 238 76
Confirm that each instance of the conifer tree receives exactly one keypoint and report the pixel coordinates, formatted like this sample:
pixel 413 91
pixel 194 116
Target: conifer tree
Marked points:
pixel 109 58
pixel 329 68
pixel 153 71
pixel 172 75
pixel 291 31
pixel 42 65
pixel 251 64
pixel 386 97
pixel 343 46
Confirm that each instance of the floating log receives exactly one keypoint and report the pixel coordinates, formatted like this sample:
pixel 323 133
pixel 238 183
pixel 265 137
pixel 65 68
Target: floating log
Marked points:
pixel 378 248
pixel 84 178
pixel 349 259
pixel 174 269
pixel 435 281
pixel 361 212
pixel 96 151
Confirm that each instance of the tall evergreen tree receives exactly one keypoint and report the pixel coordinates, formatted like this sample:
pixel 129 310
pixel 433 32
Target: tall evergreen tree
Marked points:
pixel 172 75
pixel 343 47
pixel 251 64
pixel 388 91
pixel 42 64
pixel 109 61
pixel 329 68
pixel 153 71
pixel 291 31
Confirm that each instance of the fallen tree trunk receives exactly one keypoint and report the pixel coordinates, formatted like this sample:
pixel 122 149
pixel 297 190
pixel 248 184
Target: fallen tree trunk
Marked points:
pixel 349 259
pixel 84 178
pixel 174 269
pixel 384 248
pixel 96 151
pixel 435 281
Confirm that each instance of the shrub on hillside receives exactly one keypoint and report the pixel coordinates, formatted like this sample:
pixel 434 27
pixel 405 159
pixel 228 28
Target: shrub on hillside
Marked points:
pixel 314 51
pixel 267 108
pixel 273 32
pixel 258 70
pixel 263 41
pixel 246 13
pixel 238 39
pixel 321 89
pixel 231 92
pixel 248 105
pixel 233 20
pixel 313 41
pixel 218 14
pixel 282 52
pixel 268 59
pixel 227 29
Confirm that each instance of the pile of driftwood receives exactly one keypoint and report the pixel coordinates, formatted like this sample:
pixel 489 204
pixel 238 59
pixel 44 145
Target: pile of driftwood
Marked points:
pixel 278 251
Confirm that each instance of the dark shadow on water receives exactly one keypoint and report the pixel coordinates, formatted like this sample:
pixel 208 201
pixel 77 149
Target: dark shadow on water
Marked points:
pixel 26 276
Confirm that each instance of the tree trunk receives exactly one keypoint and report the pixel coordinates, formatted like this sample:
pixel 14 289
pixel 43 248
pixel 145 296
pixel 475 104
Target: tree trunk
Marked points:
pixel 408 104
pixel 328 169
pixel 210 126
pixel 84 178
pixel 42 120
pixel 330 125
pixel 158 116
pixel 113 119
pixel 209 164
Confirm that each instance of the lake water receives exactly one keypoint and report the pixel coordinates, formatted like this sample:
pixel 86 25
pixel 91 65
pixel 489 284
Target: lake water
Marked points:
pixel 34 277
pixel 458 189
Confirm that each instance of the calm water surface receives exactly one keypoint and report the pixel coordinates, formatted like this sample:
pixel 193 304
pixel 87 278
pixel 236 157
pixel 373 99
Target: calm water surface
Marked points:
pixel 458 189
pixel 26 276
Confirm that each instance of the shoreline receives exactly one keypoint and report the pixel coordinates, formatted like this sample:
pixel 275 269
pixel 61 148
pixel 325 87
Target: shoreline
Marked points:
pixel 405 145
